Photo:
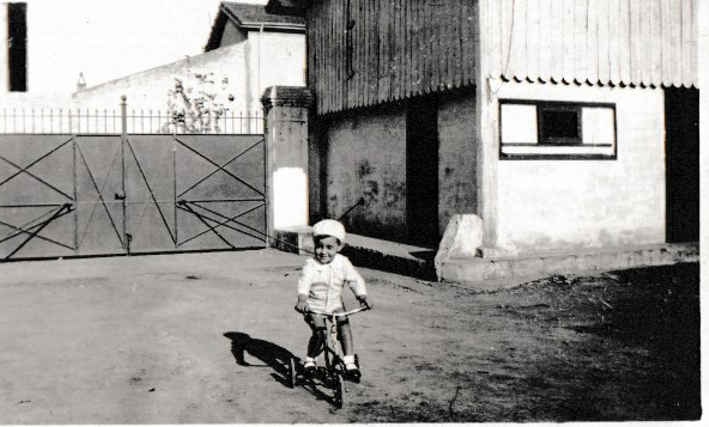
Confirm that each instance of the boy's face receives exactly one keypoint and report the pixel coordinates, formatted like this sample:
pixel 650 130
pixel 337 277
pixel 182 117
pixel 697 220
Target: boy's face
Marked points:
pixel 326 247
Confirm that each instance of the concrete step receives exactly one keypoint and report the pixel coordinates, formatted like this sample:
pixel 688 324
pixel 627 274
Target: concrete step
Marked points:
pixel 366 251
pixel 391 256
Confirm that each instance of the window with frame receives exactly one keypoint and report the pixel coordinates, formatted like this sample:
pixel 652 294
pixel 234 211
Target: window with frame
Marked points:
pixel 532 129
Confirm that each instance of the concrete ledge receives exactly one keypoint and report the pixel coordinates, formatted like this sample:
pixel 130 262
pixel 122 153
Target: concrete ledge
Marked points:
pixel 496 273
pixel 297 240
pixel 364 251
pixel 391 256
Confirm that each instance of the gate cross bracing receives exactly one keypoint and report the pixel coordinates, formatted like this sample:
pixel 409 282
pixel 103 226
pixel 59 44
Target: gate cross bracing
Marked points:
pixel 70 194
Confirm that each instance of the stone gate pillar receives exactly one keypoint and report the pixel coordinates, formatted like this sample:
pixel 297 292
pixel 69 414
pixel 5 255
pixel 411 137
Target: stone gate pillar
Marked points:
pixel 286 134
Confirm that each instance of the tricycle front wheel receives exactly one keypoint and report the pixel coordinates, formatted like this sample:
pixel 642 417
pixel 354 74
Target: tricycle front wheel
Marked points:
pixel 292 371
pixel 339 391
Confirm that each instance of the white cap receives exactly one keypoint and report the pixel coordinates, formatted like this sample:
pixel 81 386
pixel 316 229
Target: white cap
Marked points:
pixel 329 227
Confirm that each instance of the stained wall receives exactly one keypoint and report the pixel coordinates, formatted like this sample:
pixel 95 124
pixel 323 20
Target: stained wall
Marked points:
pixel 366 158
pixel 457 154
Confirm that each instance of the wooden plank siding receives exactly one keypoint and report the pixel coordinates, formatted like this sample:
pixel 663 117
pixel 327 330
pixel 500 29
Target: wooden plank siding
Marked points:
pixel 630 42
pixel 397 49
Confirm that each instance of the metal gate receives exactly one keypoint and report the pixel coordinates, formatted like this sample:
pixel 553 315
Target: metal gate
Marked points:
pixel 90 194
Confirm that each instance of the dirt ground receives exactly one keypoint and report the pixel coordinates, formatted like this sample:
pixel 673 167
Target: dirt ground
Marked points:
pixel 202 338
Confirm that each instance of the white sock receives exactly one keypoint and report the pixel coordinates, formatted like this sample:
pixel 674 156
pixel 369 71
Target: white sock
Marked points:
pixel 349 361
pixel 309 360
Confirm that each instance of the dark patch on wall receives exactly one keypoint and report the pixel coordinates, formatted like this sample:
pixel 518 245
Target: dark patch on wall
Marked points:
pixel 333 202
pixel 371 192
pixel 365 169
pixel 393 193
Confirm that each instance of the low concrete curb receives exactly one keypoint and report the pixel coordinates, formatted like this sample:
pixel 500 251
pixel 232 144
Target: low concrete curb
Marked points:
pixel 496 273
pixel 489 273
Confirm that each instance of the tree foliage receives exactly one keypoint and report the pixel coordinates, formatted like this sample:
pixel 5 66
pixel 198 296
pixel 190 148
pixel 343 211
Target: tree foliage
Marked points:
pixel 196 103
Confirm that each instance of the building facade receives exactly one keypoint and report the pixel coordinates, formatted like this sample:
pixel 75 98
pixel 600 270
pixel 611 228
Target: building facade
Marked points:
pixel 247 50
pixel 274 46
pixel 557 126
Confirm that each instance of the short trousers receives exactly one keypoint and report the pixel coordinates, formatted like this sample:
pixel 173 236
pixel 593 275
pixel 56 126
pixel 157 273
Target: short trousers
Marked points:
pixel 317 321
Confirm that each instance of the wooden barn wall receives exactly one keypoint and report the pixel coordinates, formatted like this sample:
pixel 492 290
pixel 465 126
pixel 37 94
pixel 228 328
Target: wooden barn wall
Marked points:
pixel 641 42
pixel 399 48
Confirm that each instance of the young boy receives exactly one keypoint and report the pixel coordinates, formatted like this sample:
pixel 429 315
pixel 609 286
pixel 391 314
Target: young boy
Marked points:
pixel 320 289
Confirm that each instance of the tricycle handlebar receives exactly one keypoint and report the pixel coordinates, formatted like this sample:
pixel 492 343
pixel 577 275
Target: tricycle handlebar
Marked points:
pixel 343 314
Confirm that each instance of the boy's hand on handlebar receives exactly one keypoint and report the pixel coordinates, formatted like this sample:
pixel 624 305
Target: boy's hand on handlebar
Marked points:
pixel 364 302
pixel 302 305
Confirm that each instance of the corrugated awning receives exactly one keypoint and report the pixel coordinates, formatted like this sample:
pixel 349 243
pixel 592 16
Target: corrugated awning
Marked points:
pixel 618 42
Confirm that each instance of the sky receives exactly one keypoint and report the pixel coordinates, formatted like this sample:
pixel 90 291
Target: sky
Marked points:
pixel 106 40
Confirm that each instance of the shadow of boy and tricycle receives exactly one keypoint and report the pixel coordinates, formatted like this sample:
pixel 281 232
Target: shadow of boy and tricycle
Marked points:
pixel 279 359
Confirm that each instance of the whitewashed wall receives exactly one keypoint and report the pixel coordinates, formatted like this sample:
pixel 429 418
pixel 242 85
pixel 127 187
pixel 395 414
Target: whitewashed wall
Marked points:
pixel 546 205
pixel 273 59
pixel 149 88
pixel 262 60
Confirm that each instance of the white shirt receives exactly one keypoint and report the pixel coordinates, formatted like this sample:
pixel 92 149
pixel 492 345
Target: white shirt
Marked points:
pixel 323 283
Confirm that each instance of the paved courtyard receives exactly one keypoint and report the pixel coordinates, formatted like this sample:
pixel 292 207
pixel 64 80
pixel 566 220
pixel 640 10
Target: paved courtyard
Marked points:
pixel 200 338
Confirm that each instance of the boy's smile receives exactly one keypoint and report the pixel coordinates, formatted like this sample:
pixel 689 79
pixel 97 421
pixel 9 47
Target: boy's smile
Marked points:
pixel 326 247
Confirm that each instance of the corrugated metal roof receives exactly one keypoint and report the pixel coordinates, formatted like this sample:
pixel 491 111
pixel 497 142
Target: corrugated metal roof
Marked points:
pixel 382 51
pixel 619 42
pixel 392 50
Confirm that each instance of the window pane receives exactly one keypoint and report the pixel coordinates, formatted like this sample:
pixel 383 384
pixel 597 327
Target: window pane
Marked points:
pixel 560 125
pixel 598 125
pixel 519 123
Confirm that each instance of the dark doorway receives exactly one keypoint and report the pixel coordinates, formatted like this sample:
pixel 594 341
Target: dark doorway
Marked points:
pixel 422 171
pixel 682 154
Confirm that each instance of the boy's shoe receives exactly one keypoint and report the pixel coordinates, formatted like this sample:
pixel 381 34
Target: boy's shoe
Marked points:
pixel 309 367
pixel 352 373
